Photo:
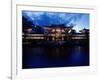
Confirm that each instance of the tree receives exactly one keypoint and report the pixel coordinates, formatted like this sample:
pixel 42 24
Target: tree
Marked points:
pixel 73 31
pixel 26 24
pixel 38 29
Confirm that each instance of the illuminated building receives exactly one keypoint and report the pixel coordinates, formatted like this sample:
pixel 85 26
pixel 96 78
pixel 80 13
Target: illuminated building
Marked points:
pixel 57 32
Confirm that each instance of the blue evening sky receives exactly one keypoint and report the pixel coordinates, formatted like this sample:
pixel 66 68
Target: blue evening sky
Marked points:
pixel 79 20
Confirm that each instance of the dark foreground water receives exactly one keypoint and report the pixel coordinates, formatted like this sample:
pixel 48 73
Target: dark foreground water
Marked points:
pixel 55 56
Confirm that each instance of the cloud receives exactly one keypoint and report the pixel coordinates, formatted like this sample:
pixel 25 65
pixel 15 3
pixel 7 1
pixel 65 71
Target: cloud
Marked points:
pixel 47 18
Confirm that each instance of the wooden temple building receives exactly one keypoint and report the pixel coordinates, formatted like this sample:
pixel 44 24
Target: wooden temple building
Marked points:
pixel 55 33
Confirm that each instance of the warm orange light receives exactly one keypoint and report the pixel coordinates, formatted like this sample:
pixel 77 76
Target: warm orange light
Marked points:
pixel 29 30
pixel 58 30
pixel 53 30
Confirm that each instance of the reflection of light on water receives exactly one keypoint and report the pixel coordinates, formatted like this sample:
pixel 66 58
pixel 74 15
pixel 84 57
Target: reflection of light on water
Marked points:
pixel 60 42
pixel 77 55
pixel 55 56
pixel 57 52
pixel 78 49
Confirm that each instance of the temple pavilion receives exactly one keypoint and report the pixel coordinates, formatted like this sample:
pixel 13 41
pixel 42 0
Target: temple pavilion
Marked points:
pixel 57 32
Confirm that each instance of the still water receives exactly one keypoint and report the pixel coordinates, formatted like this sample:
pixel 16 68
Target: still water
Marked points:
pixel 63 56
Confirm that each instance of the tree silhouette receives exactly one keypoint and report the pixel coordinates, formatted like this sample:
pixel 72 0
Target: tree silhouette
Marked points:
pixel 26 24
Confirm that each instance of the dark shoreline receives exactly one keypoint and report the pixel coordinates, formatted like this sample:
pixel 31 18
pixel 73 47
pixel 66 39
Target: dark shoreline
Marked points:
pixel 76 42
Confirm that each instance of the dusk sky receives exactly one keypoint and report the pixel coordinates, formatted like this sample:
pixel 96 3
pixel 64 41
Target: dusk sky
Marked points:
pixel 79 20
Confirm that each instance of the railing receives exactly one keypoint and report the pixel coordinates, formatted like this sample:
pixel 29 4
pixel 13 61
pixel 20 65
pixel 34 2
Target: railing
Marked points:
pixel 44 36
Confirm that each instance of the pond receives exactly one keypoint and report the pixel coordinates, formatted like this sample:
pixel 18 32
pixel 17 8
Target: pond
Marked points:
pixel 55 56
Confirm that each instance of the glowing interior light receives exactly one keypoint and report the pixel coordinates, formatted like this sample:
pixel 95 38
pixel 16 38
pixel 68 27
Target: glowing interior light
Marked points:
pixel 53 30
pixel 69 31
pixel 58 30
